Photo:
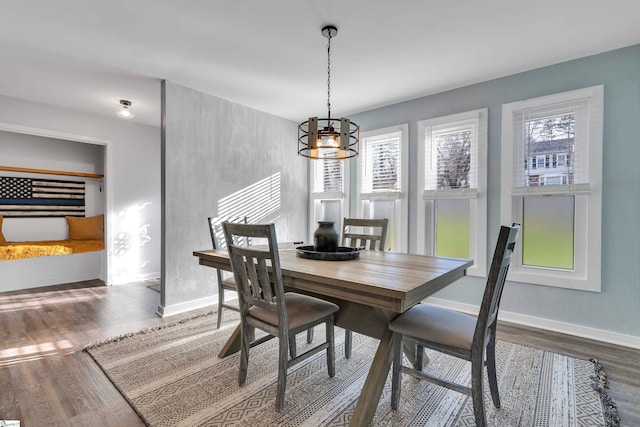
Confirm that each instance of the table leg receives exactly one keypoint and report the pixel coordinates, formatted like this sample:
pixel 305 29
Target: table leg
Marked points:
pixel 410 350
pixel 373 385
pixel 233 343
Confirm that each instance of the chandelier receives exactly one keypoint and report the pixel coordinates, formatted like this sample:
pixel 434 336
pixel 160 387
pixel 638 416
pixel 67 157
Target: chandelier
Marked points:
pixel 329 137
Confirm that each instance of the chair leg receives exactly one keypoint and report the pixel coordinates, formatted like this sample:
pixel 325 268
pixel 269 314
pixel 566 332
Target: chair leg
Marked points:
pixel 396 377
pixel 293 351
pixel 282 372
pixel 244 353
pixel 220 301
pixel 477 387
pixel 309 336
pixel 491 371
pixel 347 343
pixel 331 350
pixel 419 358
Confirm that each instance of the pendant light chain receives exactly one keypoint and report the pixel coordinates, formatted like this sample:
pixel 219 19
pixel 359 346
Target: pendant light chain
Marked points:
pixel 329 74
pixel 320 138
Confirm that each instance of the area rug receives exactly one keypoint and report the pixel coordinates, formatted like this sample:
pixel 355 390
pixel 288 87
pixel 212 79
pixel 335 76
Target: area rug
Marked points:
pixel 171 376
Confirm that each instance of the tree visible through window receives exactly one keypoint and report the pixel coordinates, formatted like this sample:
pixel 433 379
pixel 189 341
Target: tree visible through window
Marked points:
pixel 454 159
pixel 452 192
pixel 381 190
pixel 385 167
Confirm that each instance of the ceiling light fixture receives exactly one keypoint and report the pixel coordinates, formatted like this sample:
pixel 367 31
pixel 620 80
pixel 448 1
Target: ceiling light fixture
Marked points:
pixel 125 113
pixel 328 137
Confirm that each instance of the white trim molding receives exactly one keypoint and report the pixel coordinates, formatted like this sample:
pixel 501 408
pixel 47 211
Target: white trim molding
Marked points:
pixel 587 332
pixel 172 310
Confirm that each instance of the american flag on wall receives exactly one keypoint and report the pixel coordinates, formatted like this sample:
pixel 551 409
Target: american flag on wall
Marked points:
pixel 28 198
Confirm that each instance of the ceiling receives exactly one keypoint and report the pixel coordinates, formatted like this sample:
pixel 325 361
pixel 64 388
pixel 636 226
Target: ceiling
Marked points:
pixel 270 55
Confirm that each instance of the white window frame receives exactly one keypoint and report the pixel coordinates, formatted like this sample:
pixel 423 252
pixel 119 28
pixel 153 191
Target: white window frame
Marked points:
pixel 317 197
pixel 561 163
pixel 588 196
pixel 477 195
pixel 400 197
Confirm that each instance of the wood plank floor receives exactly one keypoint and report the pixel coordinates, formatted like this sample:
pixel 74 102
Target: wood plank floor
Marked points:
pixel 47 380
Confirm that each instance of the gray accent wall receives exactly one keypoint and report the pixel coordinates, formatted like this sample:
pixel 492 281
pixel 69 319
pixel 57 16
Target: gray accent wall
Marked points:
pixel 220 157
pixel 617 307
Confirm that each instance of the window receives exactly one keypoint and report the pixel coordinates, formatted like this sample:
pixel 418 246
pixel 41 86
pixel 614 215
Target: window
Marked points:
pixel 561 160
pixel 329 186
pixel 382 181
pixel 452 187
pixel 559 207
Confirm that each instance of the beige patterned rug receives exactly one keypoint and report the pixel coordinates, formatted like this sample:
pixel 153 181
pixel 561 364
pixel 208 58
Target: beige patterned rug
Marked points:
pixel 171 376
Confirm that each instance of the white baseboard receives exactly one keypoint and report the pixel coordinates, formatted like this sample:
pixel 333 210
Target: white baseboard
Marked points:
pixel 546 324
pixel 172 310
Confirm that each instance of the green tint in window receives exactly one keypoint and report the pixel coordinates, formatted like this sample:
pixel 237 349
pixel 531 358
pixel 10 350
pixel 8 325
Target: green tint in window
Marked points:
pixel 547 232
pixel 452 228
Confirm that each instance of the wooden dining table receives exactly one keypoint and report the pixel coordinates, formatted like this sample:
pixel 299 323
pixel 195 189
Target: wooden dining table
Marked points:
pixel 371 291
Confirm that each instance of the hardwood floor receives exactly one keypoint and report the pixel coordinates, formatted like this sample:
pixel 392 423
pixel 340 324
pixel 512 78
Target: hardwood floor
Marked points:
pixel 47 380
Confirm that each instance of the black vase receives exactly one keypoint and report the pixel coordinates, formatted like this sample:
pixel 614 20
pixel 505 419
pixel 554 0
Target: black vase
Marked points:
pixel 325 238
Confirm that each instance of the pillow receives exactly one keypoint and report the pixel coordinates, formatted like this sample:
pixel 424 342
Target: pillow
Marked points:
pixel 2 239
pixel 90 228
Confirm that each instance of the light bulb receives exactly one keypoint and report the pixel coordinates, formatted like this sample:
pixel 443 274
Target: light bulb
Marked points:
pixel 125 113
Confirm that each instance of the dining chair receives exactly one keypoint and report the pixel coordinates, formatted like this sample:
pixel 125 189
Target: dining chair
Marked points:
pixel 265 306
pixel 367 234
pixel 457 334
pixel 364 233
pixel 224 283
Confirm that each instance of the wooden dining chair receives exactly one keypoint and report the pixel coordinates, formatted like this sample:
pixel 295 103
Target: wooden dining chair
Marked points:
pixel 364 233
pixel 457 334
pixel 264 305
pixel 367 234
pixel 224 283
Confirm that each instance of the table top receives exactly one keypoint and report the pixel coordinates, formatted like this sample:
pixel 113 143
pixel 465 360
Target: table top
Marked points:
pixel 389 280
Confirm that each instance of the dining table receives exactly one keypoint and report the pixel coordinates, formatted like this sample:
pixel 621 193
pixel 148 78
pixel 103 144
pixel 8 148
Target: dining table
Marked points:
pixel 370 291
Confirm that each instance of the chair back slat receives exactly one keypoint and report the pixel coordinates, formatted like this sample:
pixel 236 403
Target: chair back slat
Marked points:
pixel 217 237
pixel 217 233
pixel 364 233
pixel 256 270
pixel 487 318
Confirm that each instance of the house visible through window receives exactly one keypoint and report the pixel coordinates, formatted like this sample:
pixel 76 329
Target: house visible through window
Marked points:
pixel 558 199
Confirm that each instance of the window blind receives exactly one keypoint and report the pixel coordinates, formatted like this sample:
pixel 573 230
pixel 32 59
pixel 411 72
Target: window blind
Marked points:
pixel 380 171
pixel 329 174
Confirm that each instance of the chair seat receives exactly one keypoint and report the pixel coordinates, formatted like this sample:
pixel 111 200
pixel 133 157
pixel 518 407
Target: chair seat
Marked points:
pixel 229 283
pixel 437 325
pixel 301 310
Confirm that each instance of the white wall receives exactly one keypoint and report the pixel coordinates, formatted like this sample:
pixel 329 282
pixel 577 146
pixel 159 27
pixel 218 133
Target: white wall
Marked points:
pixel 37 152
pixel 132 181
pixel 216 155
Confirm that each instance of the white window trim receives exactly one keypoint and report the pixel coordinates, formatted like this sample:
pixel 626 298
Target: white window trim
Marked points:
pixel 316 198
pixel 402 208
pixel 588 198
pixel 477 196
